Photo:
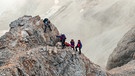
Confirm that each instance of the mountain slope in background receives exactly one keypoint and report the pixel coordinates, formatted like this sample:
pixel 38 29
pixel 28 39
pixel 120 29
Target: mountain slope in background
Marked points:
pixel 122 60
pixel 100 24
pixel 124 52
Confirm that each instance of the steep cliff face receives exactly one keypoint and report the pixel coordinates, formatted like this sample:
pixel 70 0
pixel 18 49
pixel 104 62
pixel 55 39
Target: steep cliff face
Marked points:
pixel 27 51
pixel 122 60
pixel 124 52
pixel 125 70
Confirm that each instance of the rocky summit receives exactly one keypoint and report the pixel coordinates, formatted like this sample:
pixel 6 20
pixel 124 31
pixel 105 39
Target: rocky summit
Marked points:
pixel 26 50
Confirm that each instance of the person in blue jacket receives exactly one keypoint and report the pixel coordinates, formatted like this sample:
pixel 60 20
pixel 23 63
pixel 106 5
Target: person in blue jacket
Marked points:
pixel 62 40
pixel 79 45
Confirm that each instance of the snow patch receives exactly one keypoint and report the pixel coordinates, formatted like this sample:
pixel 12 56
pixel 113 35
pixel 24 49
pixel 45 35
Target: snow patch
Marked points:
pixel 81 10
pixel 56 1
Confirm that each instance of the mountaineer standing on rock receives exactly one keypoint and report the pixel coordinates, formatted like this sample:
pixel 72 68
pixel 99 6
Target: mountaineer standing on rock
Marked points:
pixel 47 24
pixel 62 40
pixel 79 45
pixel 72 43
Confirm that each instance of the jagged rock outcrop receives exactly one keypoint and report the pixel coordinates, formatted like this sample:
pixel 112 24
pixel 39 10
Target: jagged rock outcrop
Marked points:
pixel 124 52
pixel 27 51
pixel 125 70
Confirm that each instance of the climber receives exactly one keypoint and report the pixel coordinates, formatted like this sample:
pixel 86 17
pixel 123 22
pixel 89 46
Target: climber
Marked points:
pixel 47 23
pixel 72 43
pixel 62 40
pixel 59 37
pixel 79 45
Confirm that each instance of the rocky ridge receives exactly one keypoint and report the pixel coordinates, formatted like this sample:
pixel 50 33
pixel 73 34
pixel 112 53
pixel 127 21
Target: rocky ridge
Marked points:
pixel 27 51
pixel 122 60
pixel 124 52
pixel 125 70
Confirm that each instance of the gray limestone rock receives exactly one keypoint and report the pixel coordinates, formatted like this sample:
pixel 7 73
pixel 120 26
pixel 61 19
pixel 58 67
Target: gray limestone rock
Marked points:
pixel 26 50
pixel 124 52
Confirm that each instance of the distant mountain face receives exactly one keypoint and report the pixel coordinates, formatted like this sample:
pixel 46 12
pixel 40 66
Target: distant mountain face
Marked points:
pixel 100 24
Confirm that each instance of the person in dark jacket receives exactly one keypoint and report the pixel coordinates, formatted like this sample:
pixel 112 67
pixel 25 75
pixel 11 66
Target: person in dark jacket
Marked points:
pixel 62 40
pixel 79 45
pixel 47 24
pixel 72 43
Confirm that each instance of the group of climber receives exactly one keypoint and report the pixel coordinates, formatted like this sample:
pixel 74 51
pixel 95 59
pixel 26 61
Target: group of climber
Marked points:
pixel 62 38
pixel 79 45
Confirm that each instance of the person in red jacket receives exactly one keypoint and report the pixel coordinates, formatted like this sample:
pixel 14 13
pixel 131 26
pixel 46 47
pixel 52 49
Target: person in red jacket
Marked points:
pixel 79 45
pixel 72 43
